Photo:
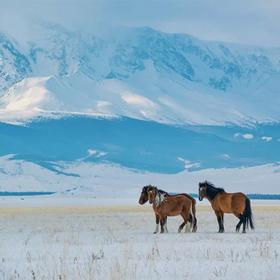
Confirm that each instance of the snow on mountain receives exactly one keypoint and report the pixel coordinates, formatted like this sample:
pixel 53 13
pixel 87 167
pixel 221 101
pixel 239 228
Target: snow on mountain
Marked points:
pixel 149 78
pixel 140 73
pixel 14 65
pixel 106 180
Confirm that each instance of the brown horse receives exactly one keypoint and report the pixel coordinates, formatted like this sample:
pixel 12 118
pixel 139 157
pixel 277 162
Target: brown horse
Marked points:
pixel 144 198
pixel 170 205
pixel 223 202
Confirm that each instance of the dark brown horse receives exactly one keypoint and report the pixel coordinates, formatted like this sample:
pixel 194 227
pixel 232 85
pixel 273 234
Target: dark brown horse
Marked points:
pixel 165 205
pixel 222 202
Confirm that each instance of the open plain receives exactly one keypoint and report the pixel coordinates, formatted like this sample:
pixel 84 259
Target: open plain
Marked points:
pixel 116 242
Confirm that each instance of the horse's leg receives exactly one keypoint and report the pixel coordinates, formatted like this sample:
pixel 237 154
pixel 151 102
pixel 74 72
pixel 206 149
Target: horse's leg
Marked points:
pixel 219 219
pixel 244 224
pixel 238 225
pixel 157 224
pixel 185 214
pixel 162 222
pixel 240 216
pixel 222 222
pixel 182 225
pixel 165 225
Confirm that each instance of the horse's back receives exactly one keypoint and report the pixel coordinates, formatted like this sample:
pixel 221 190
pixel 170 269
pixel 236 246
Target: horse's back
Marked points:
pixel 188 196
pixel 175 204
pixel 232 202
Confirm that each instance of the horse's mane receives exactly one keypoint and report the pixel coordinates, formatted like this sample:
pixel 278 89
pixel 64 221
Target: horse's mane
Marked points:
pixel 166 193
pixel 154 187
pixel 211 190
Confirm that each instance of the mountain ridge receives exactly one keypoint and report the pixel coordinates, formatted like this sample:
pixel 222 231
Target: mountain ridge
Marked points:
pixel 144 74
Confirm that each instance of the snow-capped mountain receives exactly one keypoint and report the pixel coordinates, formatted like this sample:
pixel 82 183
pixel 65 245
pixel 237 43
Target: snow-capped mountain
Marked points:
pixel 137 100
pixel 139 73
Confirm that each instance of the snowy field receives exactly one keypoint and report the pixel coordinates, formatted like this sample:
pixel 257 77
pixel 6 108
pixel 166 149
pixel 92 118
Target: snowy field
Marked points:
pixel 114 241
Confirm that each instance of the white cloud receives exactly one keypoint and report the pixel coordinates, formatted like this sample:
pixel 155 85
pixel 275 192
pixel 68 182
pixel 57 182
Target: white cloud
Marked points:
pixel 267 138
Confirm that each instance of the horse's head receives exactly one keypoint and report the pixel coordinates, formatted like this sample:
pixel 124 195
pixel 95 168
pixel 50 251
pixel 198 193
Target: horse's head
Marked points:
pixel 144 194
pixel 152 193
pixel 202 190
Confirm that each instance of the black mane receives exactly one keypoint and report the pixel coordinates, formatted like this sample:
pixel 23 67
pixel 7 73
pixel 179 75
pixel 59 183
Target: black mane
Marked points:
pixel 149 187
pixel 211 190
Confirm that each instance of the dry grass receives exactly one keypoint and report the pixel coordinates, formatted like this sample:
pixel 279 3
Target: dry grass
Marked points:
pixel 116 243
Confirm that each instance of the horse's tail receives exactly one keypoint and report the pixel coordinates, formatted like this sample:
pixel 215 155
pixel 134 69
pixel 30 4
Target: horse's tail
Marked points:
pixel 248 214
pixel 193 210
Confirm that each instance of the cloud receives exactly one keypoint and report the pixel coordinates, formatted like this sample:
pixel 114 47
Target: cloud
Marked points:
pixel 250 22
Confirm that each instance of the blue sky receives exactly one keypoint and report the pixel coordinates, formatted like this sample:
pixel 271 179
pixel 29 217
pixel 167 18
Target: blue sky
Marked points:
pixel 249 22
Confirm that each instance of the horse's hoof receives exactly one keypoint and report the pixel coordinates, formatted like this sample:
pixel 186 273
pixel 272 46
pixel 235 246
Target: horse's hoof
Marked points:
pixel 154 232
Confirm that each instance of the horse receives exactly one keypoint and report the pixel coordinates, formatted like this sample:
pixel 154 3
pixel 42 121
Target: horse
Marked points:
pixel 144 198
pixel 222 202
pixel 165 205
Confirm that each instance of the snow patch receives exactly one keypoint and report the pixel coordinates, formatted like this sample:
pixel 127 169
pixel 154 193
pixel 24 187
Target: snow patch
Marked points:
pixel 188 164
pixel 247 136
pixel 225 156
pixel 267 138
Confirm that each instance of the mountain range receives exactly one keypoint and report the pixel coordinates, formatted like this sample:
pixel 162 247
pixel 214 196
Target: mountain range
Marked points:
pixel 139 73
pixel 139 98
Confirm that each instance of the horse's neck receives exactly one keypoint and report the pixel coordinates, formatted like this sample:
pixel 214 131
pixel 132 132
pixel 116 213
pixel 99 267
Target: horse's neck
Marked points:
pixel 159 199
